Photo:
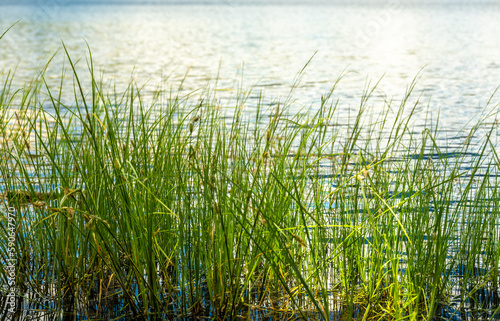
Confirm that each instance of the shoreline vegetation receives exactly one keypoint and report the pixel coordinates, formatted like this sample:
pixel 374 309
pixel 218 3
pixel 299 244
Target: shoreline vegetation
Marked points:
pixel 163 208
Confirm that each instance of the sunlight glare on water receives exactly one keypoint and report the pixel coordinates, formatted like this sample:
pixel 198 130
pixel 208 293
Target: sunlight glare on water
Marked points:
pixel 456 45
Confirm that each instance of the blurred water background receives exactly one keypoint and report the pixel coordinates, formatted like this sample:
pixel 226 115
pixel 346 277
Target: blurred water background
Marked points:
pixel 456 46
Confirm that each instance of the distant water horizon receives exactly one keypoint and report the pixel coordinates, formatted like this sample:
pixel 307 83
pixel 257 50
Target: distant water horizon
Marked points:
pixel 54 3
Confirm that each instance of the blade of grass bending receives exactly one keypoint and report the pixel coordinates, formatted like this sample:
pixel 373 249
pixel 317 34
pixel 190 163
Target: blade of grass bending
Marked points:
pixel 3 34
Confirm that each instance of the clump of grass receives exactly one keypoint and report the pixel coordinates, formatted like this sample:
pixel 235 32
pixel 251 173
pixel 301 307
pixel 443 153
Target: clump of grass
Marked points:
pixel 160 206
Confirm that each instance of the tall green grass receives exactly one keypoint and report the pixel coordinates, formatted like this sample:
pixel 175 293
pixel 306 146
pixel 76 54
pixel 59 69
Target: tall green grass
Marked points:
pixel 161 206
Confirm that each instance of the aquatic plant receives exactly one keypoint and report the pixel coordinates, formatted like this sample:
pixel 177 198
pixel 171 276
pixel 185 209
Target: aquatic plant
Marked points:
pixel 163 206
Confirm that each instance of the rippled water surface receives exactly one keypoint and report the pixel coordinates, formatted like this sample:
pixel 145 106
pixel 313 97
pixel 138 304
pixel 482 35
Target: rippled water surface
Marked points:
pixel 457 45
pixel 454 49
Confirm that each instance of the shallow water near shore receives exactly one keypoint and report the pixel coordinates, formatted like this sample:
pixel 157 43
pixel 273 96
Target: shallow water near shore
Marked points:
pixel 307 194
pixel 365 206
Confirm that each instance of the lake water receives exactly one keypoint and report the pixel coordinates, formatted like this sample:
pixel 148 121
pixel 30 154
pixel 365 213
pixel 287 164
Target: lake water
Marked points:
pixel 456 45
pixel 455 48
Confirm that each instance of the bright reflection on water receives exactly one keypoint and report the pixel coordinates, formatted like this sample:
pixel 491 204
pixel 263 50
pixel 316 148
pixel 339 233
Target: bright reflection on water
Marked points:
pixel 456 45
